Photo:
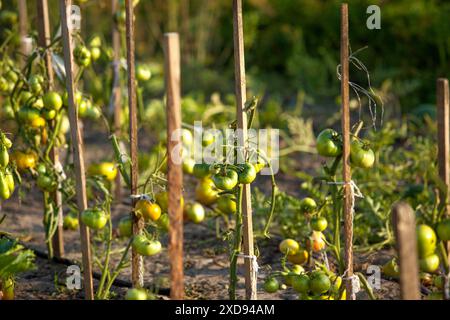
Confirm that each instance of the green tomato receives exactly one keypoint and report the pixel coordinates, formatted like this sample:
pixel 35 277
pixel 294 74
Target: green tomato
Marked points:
pixel 4 157
pixel 82 55
pixel 146 247
pixel 430 263
pixel 195 212
pixel 225 180
pixel 227 204
pixel 271 285
pixel 94 218
pixel 247 173
pixel 9 180
pixel 28 115
pixel 163 222
pixel 361 155
pixel 143 73
pixel 443 230
pixel 78 98
pixel 52 100
pixel 300 283
pixel 329 143
pixel 188 165
pixel 319 224
pixel 126 227
pixel 426 240
pixel 208 139
pixel 319 282
pixel 96 52
pixel 7 289
pixel 46 183
pixel 5 192
pixel 308 205
pixel 289 246
pixel 136 294
pixel 201 170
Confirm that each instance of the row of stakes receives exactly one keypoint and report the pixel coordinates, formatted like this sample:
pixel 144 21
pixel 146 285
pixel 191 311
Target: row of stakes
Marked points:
pixel 402 214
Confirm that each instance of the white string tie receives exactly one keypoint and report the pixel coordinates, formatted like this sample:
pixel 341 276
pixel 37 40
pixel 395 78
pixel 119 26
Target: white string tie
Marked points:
pixel 254 261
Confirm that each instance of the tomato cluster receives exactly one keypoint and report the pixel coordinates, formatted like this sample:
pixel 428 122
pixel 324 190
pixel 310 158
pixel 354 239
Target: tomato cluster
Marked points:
pixel 7 184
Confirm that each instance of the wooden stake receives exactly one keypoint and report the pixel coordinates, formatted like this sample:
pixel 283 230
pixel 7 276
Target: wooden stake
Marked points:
pixel 77 142
pixel 239 66
pixel 443 117
pixel 347 176
pixel 23 29
pixel 404 223
pixel 137 264
pixel 116 94
pixel 44 41
pixel 175 173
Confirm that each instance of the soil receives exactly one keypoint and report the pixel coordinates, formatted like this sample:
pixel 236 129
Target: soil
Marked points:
pixel 206 259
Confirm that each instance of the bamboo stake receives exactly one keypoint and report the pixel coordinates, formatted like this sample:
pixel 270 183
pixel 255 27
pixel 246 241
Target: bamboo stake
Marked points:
pixel 348 214
pixel 116 94
pixel 44 41
pixel 137 264
pixel 405 232
pixel 175 173
pixel 443 117
pixel 239 66
pixel 77 142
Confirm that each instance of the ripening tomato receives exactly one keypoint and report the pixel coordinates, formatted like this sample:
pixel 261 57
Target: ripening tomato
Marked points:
pixel 271 285
pixel 443 230
pixel 430 263
pixel 148 210
pixel 308 205
pixel 227 204
pixel 426 240
pixel 108 170
pixel 227 179
pixel 52 100
pixel 94 218
pixel 319 223
pixel 329 143
pixel 70 222
pixel 24 160
pixel 361 155
pixel 136 294
pixel 247 173
pixel 146 247
pixel 206 193
pixel 299 258
pixel 195 212
pixel 319 282
pixel 126 227
pixel 7 289
pixel 289 247
pixel 318 241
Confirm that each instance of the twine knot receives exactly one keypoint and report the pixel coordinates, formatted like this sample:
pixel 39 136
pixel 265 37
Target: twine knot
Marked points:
pixel 254 261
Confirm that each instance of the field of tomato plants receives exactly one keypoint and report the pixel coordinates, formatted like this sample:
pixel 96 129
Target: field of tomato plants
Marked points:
pixel 134 165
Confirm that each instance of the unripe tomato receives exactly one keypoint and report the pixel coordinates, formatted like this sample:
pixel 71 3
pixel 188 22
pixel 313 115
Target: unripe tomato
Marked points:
pixel 361 155
pixel 188 165
pixel 319 223
pixel 162 199
pixel 7 289
pixel 95 53
pixel 4 156
pixel 329 143
pixel 443 230
pixel 195 212
pixel 92 112
pixel 430 263
pixel 391 269
pixel 206 193
pixel 146 247
pixel 319 282
pixel 143 73
pixel 299 258
pixel 149 211
pixel 5 192
pixel 9 180
pixel 208 139
pixel 227 204
pixel 300 283
pixel 94 218
pixel 70 222
pixel 46 183
pixel 136 294
pixel 27 115
pixel 82 55
pixel 201 170
pixel 308 205
pixel 226 179
pixel 126 227
pixel 291 275
pixel 49 114
pixel 426 240
pixel 289 247
pixel 247 173
pixel 163 222
pixel 271 285
pixel 77 99
pixel 52 100
pixel 259 166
